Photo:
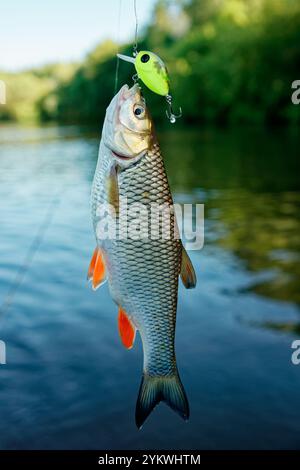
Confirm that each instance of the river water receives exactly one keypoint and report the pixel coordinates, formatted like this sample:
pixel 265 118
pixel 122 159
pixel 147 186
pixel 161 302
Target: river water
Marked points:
pixel 68 382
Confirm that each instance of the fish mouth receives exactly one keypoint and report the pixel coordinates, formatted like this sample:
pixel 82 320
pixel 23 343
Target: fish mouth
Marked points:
pixel 125 92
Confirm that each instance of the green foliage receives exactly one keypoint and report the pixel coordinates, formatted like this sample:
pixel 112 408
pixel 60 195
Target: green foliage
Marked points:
pixel 229 61
pixel 26 91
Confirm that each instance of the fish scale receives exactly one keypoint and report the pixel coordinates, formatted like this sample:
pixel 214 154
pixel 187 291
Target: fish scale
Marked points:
pixel 143 274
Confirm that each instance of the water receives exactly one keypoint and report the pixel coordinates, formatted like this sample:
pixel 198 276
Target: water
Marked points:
pixel 68 382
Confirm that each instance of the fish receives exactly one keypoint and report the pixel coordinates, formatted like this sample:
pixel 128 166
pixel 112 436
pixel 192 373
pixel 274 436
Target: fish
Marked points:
pixel 142 272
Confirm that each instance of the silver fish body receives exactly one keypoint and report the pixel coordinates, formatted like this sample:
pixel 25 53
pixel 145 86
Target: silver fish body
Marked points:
pixel 143 273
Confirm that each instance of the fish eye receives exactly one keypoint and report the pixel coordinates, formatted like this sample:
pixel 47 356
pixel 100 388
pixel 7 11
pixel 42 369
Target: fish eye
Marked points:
pixel 139 111
pixel 145 58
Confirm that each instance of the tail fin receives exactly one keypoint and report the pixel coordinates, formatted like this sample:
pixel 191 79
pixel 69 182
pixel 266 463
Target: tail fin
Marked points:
pixel 154 389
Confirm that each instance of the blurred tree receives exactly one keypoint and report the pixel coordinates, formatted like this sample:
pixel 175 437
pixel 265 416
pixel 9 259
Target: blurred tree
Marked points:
pixel 229 61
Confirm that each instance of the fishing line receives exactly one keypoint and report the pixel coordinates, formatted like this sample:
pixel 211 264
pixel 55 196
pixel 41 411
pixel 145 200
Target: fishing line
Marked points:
pixel 118 42
pixel 31 252
pixel 135 46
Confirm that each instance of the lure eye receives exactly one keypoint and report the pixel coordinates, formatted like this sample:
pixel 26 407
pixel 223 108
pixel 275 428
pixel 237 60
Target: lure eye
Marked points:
pixel 145 58
pixel 139 111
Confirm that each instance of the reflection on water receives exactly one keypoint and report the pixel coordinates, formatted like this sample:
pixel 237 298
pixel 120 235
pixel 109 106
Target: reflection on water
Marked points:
pixel 249 182
pixel 285 327
pixel 68 383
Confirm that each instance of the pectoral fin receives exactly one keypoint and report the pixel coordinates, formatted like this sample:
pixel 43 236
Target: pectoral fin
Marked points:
pixel 113 188
pixel 96 271
pixel 126 329
pixel 187 273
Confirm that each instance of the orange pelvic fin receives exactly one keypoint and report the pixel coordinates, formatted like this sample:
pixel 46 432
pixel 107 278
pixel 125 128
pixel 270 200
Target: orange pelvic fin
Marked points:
pixel 96 271
pixel 187 273
pixel 126 329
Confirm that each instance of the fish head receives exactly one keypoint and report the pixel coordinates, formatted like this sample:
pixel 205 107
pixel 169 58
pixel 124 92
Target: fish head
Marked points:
pixel 127 129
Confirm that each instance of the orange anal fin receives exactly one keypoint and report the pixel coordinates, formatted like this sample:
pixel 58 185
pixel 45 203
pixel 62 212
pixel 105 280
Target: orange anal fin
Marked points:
pixel 126 329
pixel 96 271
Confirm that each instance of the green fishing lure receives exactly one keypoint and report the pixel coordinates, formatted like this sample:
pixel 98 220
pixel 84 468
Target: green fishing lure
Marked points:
pixel 152 71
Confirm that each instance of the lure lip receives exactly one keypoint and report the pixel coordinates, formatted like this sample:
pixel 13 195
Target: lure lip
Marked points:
pixel 126 58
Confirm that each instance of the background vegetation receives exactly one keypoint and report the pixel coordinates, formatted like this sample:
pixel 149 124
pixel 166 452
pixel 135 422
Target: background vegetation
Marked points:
pixel 230 61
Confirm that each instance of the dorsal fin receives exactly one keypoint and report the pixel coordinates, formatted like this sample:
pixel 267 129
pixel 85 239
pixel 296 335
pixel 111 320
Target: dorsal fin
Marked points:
pixel 187 273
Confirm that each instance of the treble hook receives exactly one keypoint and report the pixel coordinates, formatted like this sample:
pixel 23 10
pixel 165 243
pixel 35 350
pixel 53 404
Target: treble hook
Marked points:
pixel 170 113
